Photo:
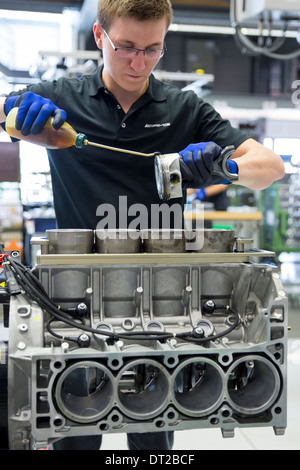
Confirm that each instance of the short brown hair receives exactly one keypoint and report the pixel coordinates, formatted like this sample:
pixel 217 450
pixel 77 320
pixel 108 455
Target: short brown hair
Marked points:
pixel 139 9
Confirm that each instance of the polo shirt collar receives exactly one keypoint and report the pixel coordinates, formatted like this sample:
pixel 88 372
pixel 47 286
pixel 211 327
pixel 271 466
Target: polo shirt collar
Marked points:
pixel 154 89
pixel 96 83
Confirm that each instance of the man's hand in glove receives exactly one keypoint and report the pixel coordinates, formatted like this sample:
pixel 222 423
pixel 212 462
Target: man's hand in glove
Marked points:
pixel 34 112
pixel 201 166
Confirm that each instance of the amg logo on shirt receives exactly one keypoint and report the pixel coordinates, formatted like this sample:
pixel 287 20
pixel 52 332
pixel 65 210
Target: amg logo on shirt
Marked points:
pixel 164 124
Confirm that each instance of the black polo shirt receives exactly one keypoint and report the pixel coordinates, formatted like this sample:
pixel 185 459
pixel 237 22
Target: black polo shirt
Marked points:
pixel 92 185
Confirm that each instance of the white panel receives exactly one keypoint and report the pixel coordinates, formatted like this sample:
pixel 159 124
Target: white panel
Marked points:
pixel 252 8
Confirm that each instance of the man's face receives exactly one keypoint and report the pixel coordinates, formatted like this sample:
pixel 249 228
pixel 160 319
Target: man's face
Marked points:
pixel 129 75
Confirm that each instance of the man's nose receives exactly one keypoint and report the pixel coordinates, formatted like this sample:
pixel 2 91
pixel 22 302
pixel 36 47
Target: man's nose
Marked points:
pixel 138 62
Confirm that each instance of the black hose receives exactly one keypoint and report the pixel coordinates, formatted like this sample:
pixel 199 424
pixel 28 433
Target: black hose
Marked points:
pixel 34 289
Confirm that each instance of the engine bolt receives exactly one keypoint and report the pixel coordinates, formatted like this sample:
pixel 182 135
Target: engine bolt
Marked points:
pixel 84 341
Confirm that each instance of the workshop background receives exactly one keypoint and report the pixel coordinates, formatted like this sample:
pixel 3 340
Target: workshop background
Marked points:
pixel 251 75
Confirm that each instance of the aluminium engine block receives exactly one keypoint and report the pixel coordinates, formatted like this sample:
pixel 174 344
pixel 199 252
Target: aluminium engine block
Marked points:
pixel 164 341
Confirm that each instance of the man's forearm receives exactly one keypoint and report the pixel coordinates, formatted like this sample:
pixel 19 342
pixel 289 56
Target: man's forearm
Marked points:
pixel 258 166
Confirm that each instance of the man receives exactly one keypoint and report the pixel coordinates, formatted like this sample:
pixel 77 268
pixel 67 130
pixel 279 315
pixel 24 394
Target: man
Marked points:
pixel 123 105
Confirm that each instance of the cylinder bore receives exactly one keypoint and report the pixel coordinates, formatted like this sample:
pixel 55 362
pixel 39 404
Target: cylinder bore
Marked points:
pixel 143 389
pixel 84 391
pixel 197 387
pixel 253 384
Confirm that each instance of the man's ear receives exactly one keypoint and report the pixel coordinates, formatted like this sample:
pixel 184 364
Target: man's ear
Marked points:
pixel 98 31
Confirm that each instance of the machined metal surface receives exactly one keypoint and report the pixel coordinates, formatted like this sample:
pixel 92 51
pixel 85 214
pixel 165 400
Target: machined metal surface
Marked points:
pixel 117 241
pixel 216 241
pixel 191 343
pixel 68 241
pixel 168 176
pixel 164 241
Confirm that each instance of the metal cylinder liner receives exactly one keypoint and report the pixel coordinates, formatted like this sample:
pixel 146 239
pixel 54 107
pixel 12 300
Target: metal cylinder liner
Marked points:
pixel 253 384
pixel 117 241
pixel 143 388
pixel 70 241
pixel 82 241
pixel 212 240
pixel 197 386
pixel 84 391
pixel 163 241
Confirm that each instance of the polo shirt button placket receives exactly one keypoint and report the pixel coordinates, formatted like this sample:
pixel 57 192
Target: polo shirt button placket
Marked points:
pixel 123 125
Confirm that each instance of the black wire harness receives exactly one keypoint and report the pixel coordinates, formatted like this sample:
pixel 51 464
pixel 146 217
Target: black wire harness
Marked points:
pixel 27 281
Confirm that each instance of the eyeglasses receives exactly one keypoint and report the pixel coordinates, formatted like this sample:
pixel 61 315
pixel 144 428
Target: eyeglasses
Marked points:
pixel 131 52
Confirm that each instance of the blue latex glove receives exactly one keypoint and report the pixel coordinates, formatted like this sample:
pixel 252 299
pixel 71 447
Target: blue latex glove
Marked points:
pixel 232 167
pixel 34 112
pixel 200 194
pixel 196 165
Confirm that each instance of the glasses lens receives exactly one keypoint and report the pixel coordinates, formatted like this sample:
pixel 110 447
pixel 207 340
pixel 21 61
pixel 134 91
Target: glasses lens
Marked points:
pixel 154 53
pixel 126 52
pixel 130 53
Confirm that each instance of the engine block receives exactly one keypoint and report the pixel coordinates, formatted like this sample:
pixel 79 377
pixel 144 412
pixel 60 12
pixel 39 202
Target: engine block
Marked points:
pixel 146 341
